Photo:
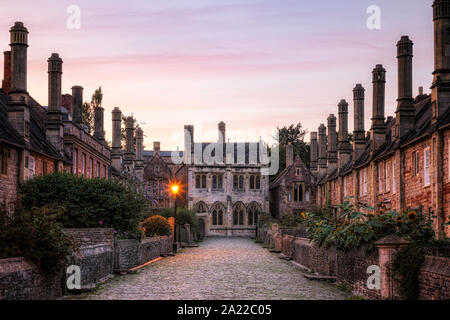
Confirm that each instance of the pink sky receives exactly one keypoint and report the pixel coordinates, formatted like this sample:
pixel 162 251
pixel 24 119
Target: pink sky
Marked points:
pixel 255 64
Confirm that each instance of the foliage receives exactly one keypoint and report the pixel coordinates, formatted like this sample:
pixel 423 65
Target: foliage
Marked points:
pixel 36 235
pixel 183 216
pixel 291 220
pixel 89 108
pixel 156 226
pixel 295 135
pixel 354 229
pixel 406 268
pixel 264 220
pixel 88 203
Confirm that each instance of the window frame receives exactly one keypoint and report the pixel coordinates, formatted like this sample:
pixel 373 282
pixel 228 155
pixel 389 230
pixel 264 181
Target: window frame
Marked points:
pixel 427 169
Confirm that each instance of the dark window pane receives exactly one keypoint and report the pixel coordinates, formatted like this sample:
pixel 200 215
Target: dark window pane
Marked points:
pixel 258 182
pixel 220 182
pixel 300 193
pixel 214 218
pixel 204 181
pixel 295 193
pixel 235 217
pixel 220 218
pixel 252 182
pixel 197 182
pixel 241 182
pixel 214 182
pixel 235 182
pixel 241 217
pixel 250 217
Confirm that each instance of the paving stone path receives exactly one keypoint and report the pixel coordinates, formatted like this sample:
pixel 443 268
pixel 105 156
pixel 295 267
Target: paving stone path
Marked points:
pixel 220 268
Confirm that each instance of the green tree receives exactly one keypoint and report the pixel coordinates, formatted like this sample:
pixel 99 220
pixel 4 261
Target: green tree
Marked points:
pixel 294 134
pixel 89 108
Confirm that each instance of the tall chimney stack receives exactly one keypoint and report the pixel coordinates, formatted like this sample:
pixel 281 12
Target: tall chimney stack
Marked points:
pixel 54 127
pixel 19 45
pixel 221 127
pixel 440 94
pixel 359 133
pixel 378 129
pixel 6 84
pixel 332 145
pixel 322 150
pixel 130 155
pixel 344 148
pixel 188 144
pixel 116 152
pixel 314 153
pixel 289 155
pixel 404 118
pixel 18 109
pixel 140 154
pixel 99 129
pixel 77 103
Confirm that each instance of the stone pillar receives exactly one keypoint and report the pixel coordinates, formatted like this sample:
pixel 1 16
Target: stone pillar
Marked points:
pixel 344 148
pixel 99 129
pixel 6 84
pixel 130 155
pixel 331 145
pixel 314 154
pixel 77 103
pixel 289 155
pixel 19 46
pixel 188 144
pixel 116 152
pixel 322 150
pixel 140 154
pixel 387 248
pixel 221 127
pixel 378 129
pixel 359 133
pixel 405 113
pixel 440 90
pixel 54 127
pixel 18 109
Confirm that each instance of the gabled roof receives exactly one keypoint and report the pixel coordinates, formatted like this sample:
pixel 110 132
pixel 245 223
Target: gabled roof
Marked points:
pixel 297 163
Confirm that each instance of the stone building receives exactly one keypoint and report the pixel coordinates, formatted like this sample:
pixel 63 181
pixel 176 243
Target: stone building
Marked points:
pixel 293 191
pixel 403 161
pixel 225 184
pixel 36 139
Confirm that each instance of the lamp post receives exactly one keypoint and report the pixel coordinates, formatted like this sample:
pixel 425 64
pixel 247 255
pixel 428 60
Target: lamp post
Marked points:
pixel 174 189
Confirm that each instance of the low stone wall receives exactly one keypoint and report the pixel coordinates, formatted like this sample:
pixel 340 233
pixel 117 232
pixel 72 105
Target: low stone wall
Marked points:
pixel 21 280
pixel 350 268
pixel 98 256
pixel 434 279
pixel 132 253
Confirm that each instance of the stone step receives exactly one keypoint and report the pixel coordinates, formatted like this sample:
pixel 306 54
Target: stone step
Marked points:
pixel 284 257
pixel 320 277
pixel 274 251
pixel 302 267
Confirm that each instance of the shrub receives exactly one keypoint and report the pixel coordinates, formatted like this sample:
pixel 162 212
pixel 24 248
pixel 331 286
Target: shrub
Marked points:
pixel 264 220
pixel 88 203
pixel 155 226
pixel 354 229
pixel 184 216
pixel 35 235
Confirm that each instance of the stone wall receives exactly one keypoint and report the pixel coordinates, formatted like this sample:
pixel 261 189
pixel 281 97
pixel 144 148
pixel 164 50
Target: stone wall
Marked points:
pixel 98 257
pixel 350 267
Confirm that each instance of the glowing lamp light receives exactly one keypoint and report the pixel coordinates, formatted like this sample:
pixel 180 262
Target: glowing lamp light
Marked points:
pixel 175 188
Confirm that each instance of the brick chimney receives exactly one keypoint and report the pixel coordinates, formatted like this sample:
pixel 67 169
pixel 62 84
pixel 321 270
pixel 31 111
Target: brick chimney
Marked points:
pixel 6 83
pixel 359 133
pixel 99 129
pixel 314 153
pixel 440 95
pixel 116 152
pixel 331 145
pixel 344 148
pixel 130 155
pixel 404 115
pixel 322 150
pixel 188 144
pixel 221 128
pixel 289 155
pixel 378 129
pixel 54 126
pixel 77 104
pixel 139 154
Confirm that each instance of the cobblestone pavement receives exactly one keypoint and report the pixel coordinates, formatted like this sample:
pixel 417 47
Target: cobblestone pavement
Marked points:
pixel 220 268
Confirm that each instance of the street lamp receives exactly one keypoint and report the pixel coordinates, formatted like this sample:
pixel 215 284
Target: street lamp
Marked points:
pixel 175 188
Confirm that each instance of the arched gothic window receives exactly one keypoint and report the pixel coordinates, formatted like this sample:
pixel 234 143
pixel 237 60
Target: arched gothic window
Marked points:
pixel 238 214
pixel 253 210
pixel 217 211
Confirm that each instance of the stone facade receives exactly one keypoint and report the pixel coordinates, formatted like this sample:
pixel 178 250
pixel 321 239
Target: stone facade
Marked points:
pixel 226 185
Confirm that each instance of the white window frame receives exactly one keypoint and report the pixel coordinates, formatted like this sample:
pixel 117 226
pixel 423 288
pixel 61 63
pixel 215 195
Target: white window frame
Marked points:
pixel 380 177
pixel 365 181
pixel 394 177
pixel 31 166
pixel 75 161
pixel 427 167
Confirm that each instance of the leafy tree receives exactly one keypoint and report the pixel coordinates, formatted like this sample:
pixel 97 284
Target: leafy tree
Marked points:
pixel 88 203
pixel 89 108
pixel 294 134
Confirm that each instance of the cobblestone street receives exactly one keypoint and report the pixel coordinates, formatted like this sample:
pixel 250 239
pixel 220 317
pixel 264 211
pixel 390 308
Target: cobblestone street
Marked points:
pixel 220 268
